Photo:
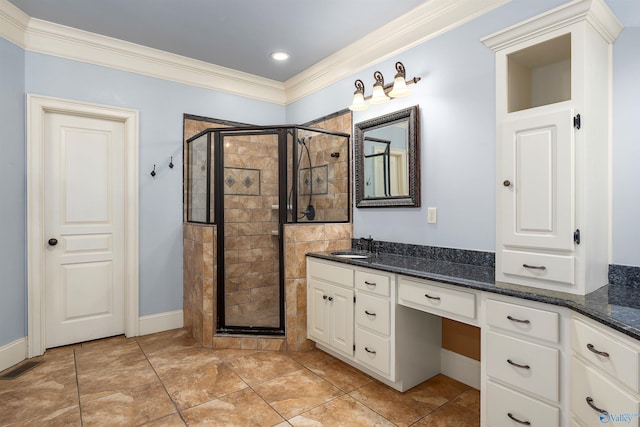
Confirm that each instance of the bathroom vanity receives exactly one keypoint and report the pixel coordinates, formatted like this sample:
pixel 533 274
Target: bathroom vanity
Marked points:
pixel 545 360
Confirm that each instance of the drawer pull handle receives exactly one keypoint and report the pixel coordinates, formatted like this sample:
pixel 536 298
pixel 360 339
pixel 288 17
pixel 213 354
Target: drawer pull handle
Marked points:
pixel 534 267
pixel 430 297
pixel 592 349
pixel 368 313
pixel 524 423
pixel 369 283
pixel 369 351
pixel 517 365
pixel 595 408
pixel 513 319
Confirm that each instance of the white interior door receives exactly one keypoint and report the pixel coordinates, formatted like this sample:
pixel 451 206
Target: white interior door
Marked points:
pixel 84 225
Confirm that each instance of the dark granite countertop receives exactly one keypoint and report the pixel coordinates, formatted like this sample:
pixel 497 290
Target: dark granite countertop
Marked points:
pixel 610 306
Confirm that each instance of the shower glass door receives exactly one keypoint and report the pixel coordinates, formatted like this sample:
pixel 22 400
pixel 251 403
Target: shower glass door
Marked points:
pixel 249 236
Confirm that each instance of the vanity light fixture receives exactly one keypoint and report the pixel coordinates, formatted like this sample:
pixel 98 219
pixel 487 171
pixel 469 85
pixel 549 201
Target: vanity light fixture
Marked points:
pixel 381 92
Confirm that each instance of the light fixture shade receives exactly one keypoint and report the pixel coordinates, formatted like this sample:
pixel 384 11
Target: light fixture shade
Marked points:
pixel 399 88
pixel 358 103
pixel 378 96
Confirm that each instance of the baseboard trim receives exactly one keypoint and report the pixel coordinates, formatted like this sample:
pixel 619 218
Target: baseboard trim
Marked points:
pixel 160 322
pixel 460 368
pixel 13 353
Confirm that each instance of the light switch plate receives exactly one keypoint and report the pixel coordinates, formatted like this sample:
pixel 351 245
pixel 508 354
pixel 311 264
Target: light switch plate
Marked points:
pixel 432 215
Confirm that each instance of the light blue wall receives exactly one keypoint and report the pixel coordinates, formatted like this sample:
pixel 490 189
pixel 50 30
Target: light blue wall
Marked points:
pixel 13 186
pixel 457 124
pixel 457 102
pixel 161 105
pixel 626 148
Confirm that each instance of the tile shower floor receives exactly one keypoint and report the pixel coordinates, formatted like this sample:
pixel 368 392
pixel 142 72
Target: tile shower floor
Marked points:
pixel 165 379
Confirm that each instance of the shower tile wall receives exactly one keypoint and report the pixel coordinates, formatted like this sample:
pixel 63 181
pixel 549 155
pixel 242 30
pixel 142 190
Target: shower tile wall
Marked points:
pixel 252 293
pixel 300 239
pixel 199 280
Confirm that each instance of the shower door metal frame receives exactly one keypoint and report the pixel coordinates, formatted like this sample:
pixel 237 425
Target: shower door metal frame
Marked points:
pixel 219 134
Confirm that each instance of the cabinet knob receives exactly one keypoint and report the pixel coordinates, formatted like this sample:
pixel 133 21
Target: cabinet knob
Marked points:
pixel 506 183
pixel 52 242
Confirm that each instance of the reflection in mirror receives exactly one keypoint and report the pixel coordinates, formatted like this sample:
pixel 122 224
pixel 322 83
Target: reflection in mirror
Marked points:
pixel 387 173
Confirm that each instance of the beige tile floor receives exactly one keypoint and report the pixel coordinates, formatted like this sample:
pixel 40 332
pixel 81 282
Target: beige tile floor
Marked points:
pixel 165 379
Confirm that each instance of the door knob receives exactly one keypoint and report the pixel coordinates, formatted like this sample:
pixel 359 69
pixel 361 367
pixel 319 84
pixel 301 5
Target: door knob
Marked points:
pixel 53 242
pixel 506 183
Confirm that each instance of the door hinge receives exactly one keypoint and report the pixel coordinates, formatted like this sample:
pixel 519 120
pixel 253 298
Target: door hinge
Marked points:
pixel 576 121
pixel 576 236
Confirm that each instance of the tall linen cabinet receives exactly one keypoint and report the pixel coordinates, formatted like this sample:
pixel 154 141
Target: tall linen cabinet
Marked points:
pixel 553 79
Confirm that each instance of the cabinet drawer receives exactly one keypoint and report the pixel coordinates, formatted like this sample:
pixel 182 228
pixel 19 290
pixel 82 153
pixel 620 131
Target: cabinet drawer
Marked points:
pixel 431 298
pixel 556 268
pixel 528 321
pixel 538 369
pixel 503 405
pixel 586 383
pixel 373 313
pixel 330 272
pixel 371 282
pixel 373 351
pixel 620 362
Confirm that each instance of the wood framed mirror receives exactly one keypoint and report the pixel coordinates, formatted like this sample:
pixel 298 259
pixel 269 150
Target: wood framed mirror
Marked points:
pixel 387 161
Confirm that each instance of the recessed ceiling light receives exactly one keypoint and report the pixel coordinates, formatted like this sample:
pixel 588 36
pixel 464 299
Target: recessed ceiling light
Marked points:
pixel 279 56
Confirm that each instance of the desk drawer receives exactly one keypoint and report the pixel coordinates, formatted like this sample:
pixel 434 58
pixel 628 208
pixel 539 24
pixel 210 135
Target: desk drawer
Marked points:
pixel 505 406
pixel 531 367
pixel 527 321
pixel 556 268
pixel 586 383
pixel 615 359
pixel 432 298
pixel 373 313
pixel 373 351
pixel 378 284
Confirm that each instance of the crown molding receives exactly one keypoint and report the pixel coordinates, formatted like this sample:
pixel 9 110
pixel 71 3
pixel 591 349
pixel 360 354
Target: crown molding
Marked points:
pixel 432 18
pixel 596 12
pixel 13 23
pixel 422 23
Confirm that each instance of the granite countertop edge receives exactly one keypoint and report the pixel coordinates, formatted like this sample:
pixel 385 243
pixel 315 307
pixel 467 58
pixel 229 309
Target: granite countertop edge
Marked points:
pixel 595 306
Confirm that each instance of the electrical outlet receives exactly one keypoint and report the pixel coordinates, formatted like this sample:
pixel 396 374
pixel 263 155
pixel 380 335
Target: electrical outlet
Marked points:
pixel 432 215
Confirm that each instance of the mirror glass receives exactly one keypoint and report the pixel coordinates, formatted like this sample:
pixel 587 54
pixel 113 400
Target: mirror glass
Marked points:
pixel 386 160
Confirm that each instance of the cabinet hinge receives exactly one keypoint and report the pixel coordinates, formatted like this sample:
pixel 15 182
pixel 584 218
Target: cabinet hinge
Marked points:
pixel 354 347
pixel 354 298
pixel 576 121
pixel 576 236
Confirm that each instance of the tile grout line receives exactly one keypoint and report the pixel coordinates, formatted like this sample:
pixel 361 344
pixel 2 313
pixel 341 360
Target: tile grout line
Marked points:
pixel 161 383
pixel 75 367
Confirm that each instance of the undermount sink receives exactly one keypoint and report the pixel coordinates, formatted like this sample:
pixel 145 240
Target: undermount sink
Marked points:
pixel 351 254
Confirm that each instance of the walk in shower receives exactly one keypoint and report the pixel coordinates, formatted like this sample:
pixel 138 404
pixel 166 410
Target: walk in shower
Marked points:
pixel 250 182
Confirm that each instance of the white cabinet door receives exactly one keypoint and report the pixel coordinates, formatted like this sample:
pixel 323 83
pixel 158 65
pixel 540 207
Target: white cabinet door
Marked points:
pixel 341 301
pixel 537 191
pixel 318 311
pixel 330 315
